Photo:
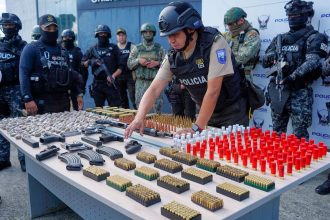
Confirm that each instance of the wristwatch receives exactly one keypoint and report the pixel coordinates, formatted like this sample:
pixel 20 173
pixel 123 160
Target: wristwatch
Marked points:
pixel 196 128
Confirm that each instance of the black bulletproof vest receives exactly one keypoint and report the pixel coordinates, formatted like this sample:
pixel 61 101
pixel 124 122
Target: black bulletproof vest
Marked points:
pixel 294 47
pixel 73 55
pixel 55 73
pixel 193 72
pixel 107 55
pixel 10 52
pixel 123 57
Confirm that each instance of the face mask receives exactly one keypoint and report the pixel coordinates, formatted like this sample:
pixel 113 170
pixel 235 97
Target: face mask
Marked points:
pixel 9 32
pixel 103 41
pixel 68 44
pixel 49 37
pixel 297 22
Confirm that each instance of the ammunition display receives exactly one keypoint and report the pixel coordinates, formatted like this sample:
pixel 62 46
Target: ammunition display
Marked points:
pixel 168 151
pixel 232 173
pixel 207 200
pixel 146 173
pixel 196 175
pixel 259 182
pixel 168 165
pixel 143 195
pixel 185 158
pixel 232 191
pixel 175 210
pixel 206 164
pixel 119 183
pixel 125 164
pixel 96 173
pixel 173 184
pixel 146 157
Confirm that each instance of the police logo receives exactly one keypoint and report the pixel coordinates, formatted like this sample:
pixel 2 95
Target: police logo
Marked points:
pixel 291 48
pixel 324 117
pixel 258 122
pixel 200 63
pixel 221 55
pixel 263 21
pixel 50 18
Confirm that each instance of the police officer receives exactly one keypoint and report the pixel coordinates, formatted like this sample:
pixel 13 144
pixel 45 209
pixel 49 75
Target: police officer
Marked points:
pixel 35 35
pixel 145 60
pixel 125 79
pixel 298 52
pixel 106 67
pixel 75 56
pixel 180 99
pixel 243 39
pixel 201 60
pixel 45 73
pixel 324 188
pixel 11 47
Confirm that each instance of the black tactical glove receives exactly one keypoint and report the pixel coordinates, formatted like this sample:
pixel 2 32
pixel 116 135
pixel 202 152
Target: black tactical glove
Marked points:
pixel 289 79
pixel 269 59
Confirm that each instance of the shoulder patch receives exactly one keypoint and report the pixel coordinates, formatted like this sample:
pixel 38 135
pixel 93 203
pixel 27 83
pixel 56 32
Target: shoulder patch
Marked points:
pixel 218 36
pixel 221 55
pixel 252 33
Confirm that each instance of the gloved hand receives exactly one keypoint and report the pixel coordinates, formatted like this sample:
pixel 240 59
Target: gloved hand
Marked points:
pixel 269 59
pixel 289 79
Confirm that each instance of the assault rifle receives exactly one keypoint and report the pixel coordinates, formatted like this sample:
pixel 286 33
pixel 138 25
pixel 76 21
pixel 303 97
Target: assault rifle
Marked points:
pixel 102 67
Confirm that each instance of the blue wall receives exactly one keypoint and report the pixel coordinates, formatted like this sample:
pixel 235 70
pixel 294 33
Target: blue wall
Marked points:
pixel 129 14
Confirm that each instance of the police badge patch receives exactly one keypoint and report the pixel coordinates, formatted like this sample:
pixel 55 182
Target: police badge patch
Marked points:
pixel 221 55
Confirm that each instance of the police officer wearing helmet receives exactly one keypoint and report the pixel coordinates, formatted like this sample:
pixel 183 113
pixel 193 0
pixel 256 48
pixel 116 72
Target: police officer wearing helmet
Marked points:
pixel 11 46
pixel 45 73
pixel 145 60
pixel 201 60
pixel 104 58
pixel 75 55
pixel 125 80
pixel 35 35
pixel 324 188
pixel 299 51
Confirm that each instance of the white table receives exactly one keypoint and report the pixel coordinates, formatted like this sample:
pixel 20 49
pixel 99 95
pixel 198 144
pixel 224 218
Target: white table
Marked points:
pixel 51 185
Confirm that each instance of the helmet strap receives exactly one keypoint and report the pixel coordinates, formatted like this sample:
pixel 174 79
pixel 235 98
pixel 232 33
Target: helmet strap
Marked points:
pixel 188 39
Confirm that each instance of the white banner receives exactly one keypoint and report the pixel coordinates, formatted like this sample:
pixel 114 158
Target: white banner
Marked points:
pixel 269 17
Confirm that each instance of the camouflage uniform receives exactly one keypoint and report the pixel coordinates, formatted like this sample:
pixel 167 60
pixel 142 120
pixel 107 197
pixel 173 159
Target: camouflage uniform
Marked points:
pixel 144 75
pixel 245 45
pixel 245 53
pixel 289 91
pixel 10 103
pixel 11 47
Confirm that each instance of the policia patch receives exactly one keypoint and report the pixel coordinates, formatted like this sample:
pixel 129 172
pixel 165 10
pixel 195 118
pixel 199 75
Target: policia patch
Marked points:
pixel 221 55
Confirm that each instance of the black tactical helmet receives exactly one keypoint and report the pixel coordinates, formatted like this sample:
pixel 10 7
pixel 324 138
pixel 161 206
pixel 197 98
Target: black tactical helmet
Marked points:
pixel 11 19
pixel 102 28
pixel 68 33
pixel 36 34
pixel 177 16
pixel 295 7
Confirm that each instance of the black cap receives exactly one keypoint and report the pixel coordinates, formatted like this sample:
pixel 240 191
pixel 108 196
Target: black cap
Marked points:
pixel 121 30
pixel 47 20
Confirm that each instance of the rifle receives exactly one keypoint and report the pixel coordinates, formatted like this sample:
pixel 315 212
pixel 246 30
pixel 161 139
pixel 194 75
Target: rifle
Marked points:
pixel 102 67
pixel 279 76
pixel 274 68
